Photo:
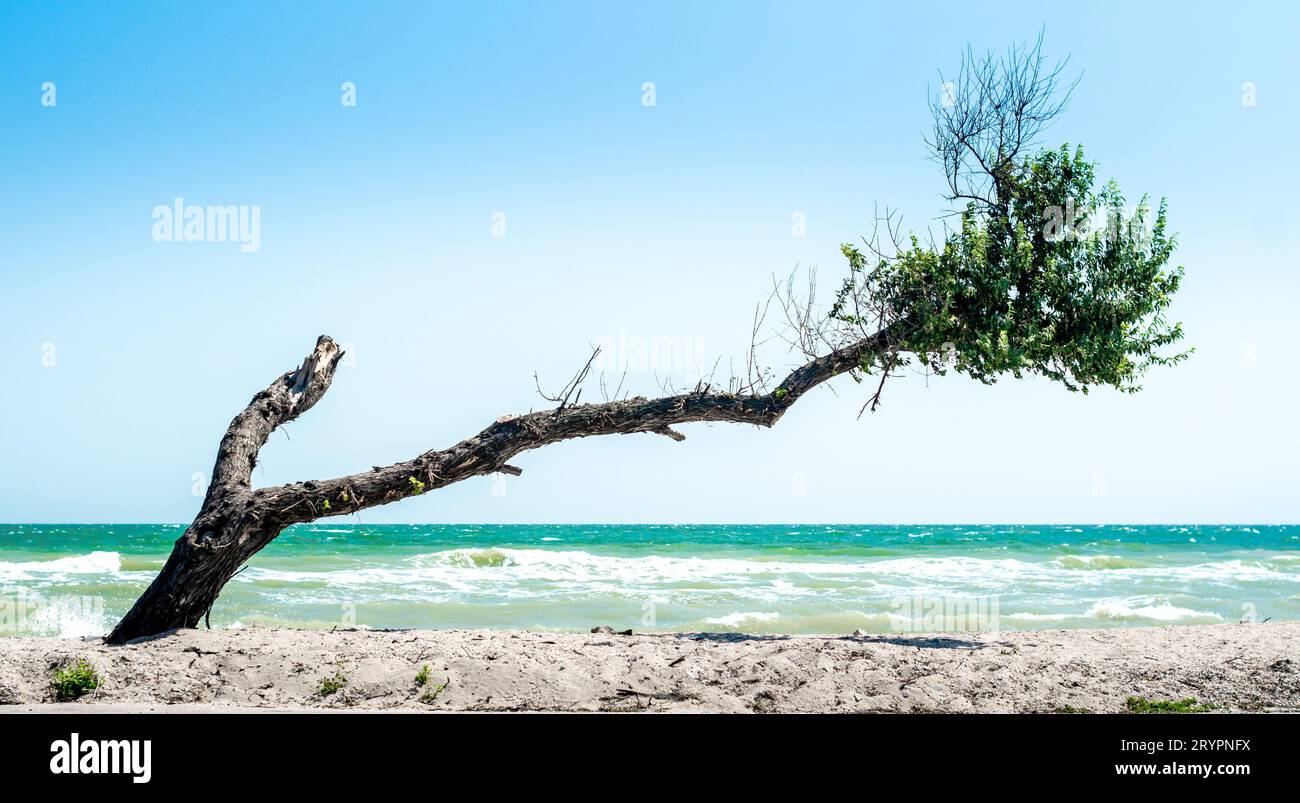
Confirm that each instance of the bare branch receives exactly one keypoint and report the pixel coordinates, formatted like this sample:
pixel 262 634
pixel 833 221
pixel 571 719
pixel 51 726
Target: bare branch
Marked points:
pixel 574 384
pixel 288 397
pixel 508 436
pixel 990 114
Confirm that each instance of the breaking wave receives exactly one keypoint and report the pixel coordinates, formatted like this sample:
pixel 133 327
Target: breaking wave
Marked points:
pixel 92 563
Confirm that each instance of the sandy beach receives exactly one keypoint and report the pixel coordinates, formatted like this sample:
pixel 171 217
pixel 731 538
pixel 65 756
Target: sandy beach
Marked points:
pixel 1230 667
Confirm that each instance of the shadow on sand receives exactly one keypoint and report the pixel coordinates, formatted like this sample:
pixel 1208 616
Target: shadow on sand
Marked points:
pixel 920 642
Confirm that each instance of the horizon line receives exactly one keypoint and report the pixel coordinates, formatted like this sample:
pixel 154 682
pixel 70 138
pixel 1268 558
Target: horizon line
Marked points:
pixel 690 524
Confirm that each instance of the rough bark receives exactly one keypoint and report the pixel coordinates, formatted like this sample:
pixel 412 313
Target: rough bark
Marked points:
pixel 235 521
pixel 227 531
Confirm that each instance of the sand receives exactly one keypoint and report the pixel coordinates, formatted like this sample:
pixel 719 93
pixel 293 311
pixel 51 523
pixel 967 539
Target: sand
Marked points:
pixel 1233 667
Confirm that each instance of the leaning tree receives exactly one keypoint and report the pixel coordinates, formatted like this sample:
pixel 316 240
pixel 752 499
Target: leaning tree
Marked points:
pixel 1039 272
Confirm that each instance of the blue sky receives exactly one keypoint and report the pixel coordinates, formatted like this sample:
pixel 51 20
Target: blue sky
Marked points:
pixel 376 226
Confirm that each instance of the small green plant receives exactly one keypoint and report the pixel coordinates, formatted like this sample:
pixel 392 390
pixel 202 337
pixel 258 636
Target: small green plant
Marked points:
pixel 73 679
pixel 781 393
pixel 326 504
pixel 1069 709
pixel 343 497
pixel 431 692
pixel 417 487
pixel 422 677
pixel 1141 705
pixel 334 683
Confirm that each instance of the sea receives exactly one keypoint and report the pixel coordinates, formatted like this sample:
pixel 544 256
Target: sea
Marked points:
pixel 76 580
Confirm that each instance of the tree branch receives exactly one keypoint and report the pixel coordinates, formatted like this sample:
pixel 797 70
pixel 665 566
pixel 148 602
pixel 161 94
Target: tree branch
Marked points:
pixel 288 397
pixel 489 450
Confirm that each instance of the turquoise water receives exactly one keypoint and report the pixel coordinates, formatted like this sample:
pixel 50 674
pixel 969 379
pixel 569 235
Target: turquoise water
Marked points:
pixel 75 580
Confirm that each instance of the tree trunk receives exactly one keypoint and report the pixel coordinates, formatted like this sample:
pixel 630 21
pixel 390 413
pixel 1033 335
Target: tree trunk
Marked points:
pixel 230 527
pixel 182 593
pixel 235 521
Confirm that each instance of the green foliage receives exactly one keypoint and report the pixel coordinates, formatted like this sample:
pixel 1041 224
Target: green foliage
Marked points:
pixel 1069 709
pixel 422 677
pixel 325 504
pixel 73 679
pixel 1026 286
pixel 417 487
pixel 1141 705
pixel 333 684
pixel 431 692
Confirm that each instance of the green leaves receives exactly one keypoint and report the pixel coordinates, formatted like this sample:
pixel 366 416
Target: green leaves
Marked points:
pixel 73 679
pixel 1054 278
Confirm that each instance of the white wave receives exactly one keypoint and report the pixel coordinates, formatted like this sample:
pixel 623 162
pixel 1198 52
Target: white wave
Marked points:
pixel 1096 562
pixel 92 563
pixel 1159 612
pixel 67 617
pixel 982 571
pixel 500 570
pixel 581 565
pixel 741 618
pixel 1228 570
pixel 1027 616
pixel 470 569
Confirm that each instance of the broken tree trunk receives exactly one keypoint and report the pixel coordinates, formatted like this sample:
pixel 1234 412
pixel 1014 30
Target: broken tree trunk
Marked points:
pixel 230 527
pixel 235 521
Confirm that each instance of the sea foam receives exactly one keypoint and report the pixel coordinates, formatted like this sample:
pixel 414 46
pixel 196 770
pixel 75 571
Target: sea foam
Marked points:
pixel 92 563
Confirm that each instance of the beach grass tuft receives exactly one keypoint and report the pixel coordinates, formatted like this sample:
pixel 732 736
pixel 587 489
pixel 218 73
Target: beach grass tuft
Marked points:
pixel 1188 705
pixel 333 683
pixel 431 692
pixel 73 679
pixel 422 677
